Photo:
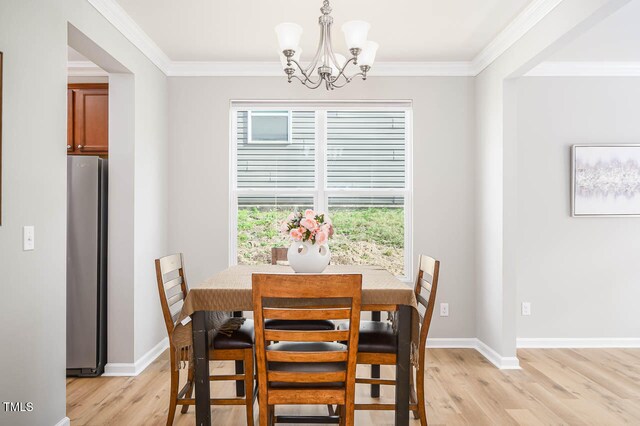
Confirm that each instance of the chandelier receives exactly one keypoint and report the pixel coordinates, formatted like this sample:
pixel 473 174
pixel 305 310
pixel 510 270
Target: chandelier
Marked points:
pixel 329 66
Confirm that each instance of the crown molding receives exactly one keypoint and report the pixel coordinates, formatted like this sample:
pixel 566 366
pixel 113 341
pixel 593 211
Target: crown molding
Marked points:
pixel 586 69
pixel 85 69
pixel 119 18
pixel 522 23
pixel 274 69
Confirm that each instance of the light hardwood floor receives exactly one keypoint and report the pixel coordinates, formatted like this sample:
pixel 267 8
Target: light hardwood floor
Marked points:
pixel 555 386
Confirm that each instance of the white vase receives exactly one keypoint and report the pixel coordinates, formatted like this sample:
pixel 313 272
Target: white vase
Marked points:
pixel 305 257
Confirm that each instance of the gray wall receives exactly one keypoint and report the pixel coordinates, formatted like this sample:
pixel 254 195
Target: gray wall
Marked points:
pixel 582 275
pixel 443 173
pixel 33 37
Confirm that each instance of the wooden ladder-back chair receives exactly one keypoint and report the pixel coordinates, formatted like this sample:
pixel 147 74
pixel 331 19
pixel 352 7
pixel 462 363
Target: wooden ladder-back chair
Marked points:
pixel 306 367
pixel 172 288
pixel 378 343
pixel 280 254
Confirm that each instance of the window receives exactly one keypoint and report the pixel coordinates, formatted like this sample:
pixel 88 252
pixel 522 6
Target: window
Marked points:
pixel 353 163
pixel 269 127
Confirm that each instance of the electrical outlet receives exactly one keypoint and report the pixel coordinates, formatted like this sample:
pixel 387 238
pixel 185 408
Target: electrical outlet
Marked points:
pixel 444 309
pixel 28 237
pixel 526 308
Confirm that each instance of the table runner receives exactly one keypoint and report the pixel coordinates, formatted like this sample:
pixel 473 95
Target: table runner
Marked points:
pixel 230 290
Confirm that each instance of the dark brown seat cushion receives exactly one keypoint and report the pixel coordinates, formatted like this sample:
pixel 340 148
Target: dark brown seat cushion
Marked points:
pixel 242 338
pixel 314 325
pixel 375 336
pixel 307 367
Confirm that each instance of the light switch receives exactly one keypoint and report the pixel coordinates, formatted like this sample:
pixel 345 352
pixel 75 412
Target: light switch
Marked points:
pixel 28 237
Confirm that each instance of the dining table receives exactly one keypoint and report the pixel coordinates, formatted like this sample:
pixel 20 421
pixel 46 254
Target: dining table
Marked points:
pixel 231 291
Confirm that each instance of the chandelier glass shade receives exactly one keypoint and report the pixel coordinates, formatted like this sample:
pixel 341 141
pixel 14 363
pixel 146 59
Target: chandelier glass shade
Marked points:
pixel 327 68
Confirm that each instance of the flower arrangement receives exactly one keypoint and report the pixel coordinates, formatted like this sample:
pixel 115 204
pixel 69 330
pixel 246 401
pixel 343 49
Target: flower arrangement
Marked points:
pixel 310 226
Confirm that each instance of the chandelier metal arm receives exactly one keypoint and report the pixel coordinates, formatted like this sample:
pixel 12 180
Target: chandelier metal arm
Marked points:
pixel 348 79
pixel 315 86
pixel 316 58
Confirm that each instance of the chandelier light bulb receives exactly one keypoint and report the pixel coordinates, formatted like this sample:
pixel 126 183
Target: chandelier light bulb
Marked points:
pixel 355 33
pixel 288 35
pixel 368 54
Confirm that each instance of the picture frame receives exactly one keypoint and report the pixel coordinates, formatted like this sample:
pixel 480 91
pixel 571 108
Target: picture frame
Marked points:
pixel 605 180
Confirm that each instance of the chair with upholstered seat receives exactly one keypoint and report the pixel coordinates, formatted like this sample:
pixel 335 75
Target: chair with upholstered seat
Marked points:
pixel 279 255
pixel 306 367
pixel 377 342
pixel 238 346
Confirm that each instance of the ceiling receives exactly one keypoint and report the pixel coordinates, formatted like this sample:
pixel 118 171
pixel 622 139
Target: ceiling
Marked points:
pixel 242 30
pixel 75 56
pixel 614 39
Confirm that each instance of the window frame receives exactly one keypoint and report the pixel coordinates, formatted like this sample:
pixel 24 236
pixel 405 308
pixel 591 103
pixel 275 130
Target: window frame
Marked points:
pixel 265 113
pixel 320 192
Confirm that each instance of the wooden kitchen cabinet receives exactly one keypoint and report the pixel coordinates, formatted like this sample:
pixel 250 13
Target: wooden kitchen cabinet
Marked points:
pixel 88 119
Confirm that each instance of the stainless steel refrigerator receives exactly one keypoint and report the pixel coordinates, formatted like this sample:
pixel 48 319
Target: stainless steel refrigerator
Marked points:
pixel 86 265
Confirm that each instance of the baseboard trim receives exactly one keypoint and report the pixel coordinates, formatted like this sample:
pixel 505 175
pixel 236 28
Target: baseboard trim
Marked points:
pixel 64 422
pixel 560 342
pixel 133 369
pixel 502 362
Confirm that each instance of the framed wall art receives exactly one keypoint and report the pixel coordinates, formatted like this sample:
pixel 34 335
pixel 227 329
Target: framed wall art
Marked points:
pixel 605 180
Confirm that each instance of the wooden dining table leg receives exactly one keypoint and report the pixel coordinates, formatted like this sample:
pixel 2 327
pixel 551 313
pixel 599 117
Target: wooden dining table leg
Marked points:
pixel 375 369
pixel 239 366
pixel 403 365
pixel 201 357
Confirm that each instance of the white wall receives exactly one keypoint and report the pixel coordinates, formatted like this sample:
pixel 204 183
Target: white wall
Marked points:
pixel 496 179
pixel 443 179
pixel 582 275
pixel 33 37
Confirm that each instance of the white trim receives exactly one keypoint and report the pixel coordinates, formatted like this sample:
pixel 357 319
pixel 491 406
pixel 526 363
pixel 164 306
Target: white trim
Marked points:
pixel 85 69
pixel 119 18
pixel 320 192
pixel 522 23
pixel 274 69
pixel 65 421
pixel 135 368
pixel 586 69
pixel 319 105
pixel 502 362
pixel 578 342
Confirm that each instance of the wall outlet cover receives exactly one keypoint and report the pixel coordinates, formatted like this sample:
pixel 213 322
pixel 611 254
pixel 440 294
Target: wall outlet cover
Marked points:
pixel 526 308
pixel 28 238
pixel 444 309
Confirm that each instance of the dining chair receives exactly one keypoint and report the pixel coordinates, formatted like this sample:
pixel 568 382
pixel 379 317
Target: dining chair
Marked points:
pixel 306 367
pixel 172 287
pixel 378 343
pixel 279 254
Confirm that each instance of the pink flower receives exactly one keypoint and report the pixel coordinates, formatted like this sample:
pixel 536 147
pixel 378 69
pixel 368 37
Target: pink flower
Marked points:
pixel 296 235
pixel 327 229
pixel 309 223
pixel 321 237
pixel 284 228
pixel 291 216
pixel 309 214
